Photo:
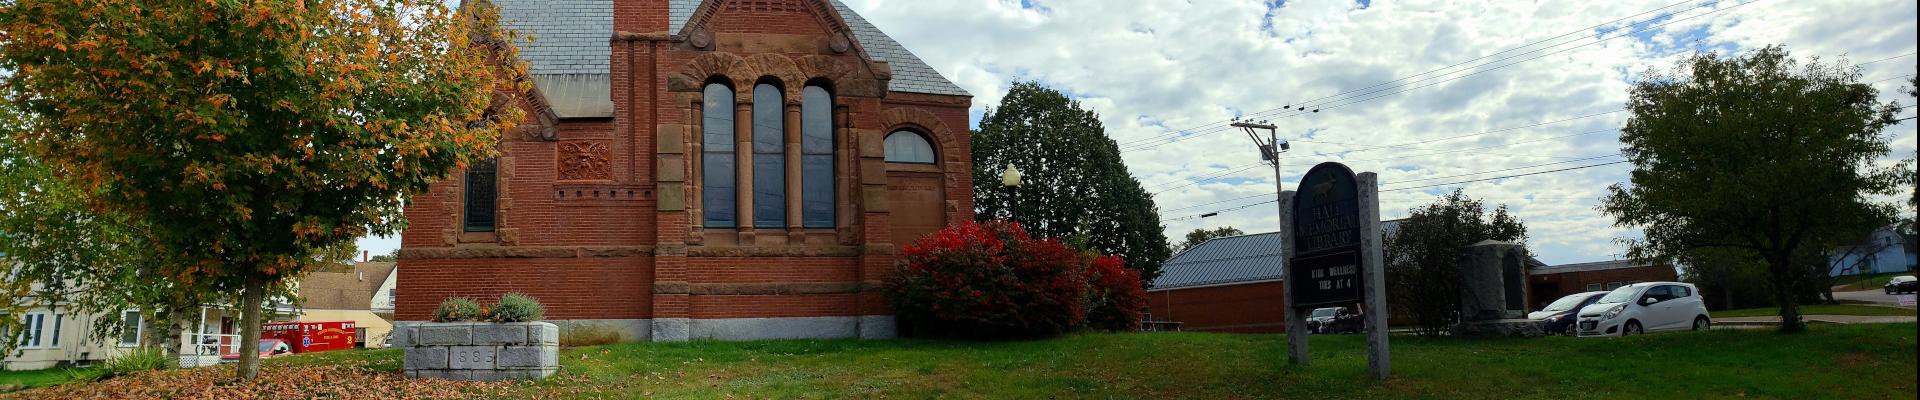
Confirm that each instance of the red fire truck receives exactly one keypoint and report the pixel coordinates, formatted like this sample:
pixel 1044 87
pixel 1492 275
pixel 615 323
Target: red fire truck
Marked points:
pixel 307 337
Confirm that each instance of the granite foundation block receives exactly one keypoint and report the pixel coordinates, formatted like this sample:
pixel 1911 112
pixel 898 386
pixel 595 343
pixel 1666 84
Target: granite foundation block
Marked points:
pixel 480 351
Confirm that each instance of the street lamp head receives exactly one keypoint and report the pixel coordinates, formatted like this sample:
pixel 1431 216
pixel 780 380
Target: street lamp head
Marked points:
pixel 1284 146
pixel 1011 177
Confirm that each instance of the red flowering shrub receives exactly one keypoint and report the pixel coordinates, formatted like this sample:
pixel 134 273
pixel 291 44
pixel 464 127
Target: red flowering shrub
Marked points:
pixel 1115 297
pixel 987 281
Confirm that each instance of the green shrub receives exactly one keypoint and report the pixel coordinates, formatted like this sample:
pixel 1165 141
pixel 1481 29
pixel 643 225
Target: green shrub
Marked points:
pixel 136 361
pixel 456 309
pixel 516 307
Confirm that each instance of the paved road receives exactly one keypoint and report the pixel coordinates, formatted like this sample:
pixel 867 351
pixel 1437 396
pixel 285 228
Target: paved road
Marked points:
pixel 1871 296
pixel 1830 319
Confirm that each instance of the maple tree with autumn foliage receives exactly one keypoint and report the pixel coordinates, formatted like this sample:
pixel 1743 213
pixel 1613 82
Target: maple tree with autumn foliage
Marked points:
pixel 257 133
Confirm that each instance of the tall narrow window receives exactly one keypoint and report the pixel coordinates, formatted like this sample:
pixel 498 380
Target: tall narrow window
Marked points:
pixel 769 157
pixel 59 320
pixel 816 162
pixel 908 147
pixel 482 191
pixel 130 328
pixel 33 324
pixel 717 174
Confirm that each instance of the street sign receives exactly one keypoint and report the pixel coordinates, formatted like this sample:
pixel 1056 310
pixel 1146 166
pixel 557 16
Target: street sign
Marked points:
pixel 1326 240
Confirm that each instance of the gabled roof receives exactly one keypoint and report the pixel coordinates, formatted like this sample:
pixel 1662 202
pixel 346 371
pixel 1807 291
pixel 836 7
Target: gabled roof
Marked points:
pixel 910 74
pixel 343 287
pixel 1245 258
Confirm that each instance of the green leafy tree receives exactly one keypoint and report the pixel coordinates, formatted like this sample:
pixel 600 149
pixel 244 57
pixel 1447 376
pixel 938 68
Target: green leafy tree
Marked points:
pixel 1076 185
pixel 1424 253
pixel 1757 154
pixel 1198 236
pixel 254 136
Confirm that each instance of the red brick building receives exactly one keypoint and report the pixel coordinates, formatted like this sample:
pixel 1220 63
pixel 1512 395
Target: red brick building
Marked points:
pixel 726 169
pixel 1230 284
pixel 1237 284
pixel 1549 283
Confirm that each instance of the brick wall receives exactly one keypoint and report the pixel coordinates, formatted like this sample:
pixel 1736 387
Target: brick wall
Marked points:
pixel 626 243
pixel 1550 287
pixel 1242 308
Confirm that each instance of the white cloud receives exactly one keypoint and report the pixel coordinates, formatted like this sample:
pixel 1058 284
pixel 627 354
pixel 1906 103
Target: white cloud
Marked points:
pixel 1149 64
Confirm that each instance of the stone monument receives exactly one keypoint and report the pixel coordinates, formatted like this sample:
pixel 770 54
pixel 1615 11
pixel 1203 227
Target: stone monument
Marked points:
pixel 1493 292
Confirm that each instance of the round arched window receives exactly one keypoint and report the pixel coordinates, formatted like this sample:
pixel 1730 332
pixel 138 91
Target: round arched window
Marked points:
pixel 909 147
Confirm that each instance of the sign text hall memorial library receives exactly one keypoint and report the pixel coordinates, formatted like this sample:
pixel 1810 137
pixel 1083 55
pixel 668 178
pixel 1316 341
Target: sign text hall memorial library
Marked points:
pixel 717 169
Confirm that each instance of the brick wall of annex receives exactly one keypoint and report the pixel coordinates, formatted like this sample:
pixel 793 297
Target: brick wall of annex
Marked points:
pixel 1241 308
pixel 1550 287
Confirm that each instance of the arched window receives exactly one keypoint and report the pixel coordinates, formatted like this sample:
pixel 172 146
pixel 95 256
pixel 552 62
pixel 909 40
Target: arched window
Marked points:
pixel 816 163
pixel 717 172
pixel 481 194
pixel 908 147
pixel 769 157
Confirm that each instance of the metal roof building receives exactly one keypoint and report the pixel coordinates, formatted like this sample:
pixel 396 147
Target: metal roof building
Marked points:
pixel 1237 259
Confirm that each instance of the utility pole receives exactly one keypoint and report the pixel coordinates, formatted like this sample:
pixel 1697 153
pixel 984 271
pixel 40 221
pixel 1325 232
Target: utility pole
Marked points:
pixel 1270 149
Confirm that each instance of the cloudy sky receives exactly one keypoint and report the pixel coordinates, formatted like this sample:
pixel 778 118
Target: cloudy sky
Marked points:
pixel 1538 78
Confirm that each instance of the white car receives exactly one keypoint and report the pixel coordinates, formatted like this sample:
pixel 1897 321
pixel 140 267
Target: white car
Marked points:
pixel 1645 307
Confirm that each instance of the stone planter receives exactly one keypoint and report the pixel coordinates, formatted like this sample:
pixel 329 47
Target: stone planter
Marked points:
pixel 479 351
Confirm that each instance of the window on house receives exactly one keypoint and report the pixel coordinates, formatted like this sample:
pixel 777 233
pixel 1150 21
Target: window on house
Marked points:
pixel 58 321
pixel 769 157
pixel 816 158
pixel 33 324
pixel 717 173
pixel 482 191
pixel 130 328
pixel 1593 287
pixel 1615 285
pixel 908 147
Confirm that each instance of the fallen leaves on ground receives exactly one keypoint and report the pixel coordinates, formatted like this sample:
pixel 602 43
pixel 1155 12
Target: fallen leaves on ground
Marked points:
pixel 345 381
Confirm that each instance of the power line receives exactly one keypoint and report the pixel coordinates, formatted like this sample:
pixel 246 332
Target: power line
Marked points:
pixel 1244 206
pixel 1509 169
pixel 1580 31
pixel 1504 177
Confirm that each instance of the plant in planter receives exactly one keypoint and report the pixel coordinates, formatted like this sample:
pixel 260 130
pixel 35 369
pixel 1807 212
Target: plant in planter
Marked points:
pixel 468 342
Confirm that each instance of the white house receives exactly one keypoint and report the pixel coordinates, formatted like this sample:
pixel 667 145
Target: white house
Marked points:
pixel 1885 251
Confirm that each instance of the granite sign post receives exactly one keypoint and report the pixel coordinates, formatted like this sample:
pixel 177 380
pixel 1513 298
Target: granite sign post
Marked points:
pixel 1333 249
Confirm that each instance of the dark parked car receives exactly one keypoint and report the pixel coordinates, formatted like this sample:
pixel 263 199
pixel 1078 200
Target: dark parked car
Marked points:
pixel 1335 320
pixel 1903 284
pixel 1559 316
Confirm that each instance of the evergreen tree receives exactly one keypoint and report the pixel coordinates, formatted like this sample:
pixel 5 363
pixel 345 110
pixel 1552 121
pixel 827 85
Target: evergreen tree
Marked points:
pixel 1075 183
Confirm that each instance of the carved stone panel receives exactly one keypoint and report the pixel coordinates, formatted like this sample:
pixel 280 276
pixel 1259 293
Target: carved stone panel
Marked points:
pixel 585 161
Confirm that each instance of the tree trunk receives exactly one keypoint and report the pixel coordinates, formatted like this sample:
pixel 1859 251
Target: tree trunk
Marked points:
pixel 250 301
pixel 1786 291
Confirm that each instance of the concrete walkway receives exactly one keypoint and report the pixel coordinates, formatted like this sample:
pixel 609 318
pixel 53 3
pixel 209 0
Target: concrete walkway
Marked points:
pixel 1814 319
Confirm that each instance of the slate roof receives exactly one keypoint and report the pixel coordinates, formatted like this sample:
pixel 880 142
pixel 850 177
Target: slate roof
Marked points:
pixel 569 36
pixel 1245 258
pixel 910 74
pixel 566 44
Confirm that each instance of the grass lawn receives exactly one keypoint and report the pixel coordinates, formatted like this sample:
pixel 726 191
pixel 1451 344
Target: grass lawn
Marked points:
pixel 1865 282
pixel 1818 309
pixel 34 378
pixel 1850 362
